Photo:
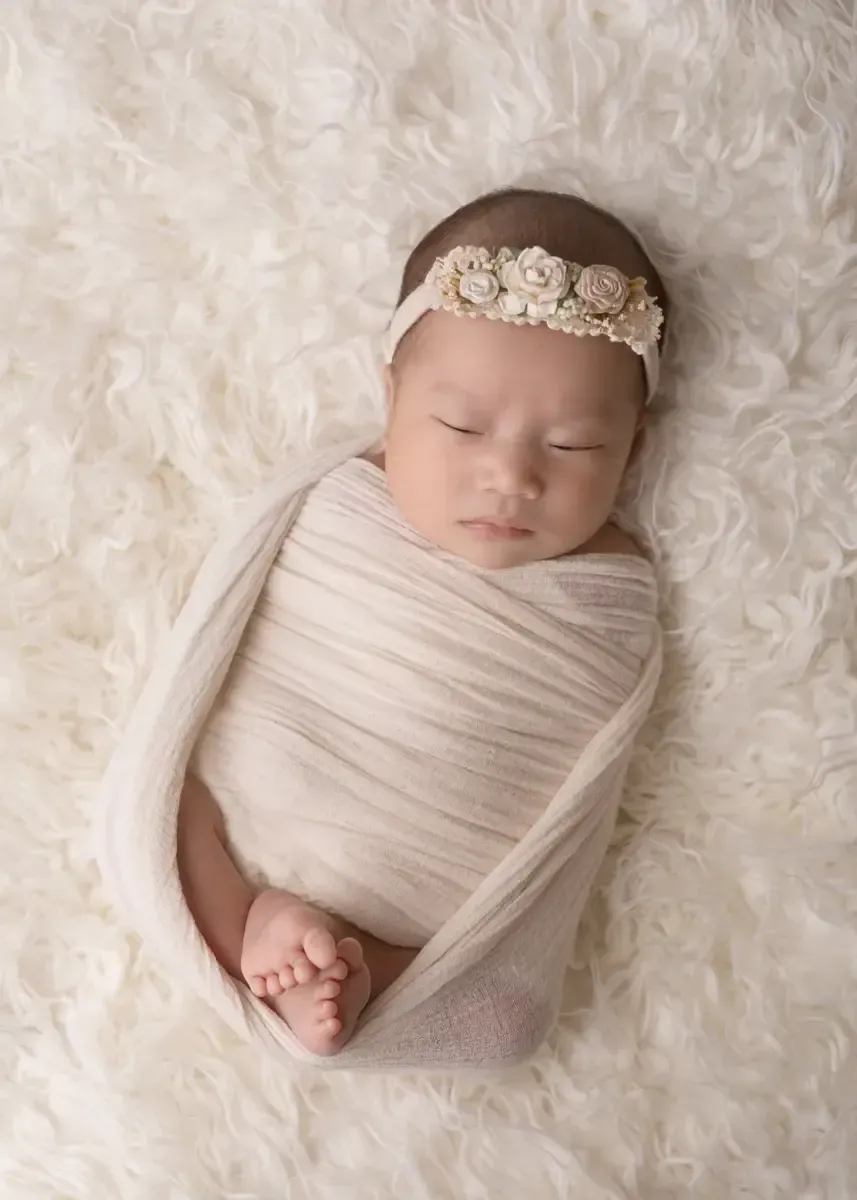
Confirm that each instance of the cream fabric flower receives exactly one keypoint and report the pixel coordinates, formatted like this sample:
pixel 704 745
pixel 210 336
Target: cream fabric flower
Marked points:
pixel 479 287
pixel 511 305
pixel 536 280
pixel 604 289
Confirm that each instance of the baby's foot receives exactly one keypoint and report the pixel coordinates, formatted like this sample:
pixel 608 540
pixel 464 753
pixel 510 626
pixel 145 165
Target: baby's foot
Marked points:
pixel 286 944
pixel 322 1014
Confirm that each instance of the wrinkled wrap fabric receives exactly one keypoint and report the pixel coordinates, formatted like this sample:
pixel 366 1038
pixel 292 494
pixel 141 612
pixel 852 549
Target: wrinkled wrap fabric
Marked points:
pixel 434 751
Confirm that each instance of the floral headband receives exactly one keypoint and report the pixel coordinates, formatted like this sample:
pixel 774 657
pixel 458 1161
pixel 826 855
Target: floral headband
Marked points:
pixel 532 287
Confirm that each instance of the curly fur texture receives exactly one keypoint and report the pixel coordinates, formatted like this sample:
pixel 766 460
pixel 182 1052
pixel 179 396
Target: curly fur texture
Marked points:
pixel 205 207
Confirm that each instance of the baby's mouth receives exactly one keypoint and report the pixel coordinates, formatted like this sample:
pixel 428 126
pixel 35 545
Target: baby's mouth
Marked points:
pixel 496 529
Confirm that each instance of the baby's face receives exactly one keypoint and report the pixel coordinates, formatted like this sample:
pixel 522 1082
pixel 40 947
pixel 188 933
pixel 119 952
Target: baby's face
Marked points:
pixel 507 443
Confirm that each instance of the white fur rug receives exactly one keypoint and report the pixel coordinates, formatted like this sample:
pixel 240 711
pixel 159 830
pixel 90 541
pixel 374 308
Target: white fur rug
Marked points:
pixel 205 207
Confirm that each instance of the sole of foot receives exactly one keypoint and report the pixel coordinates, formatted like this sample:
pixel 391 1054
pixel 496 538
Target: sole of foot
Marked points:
pixel 322 1014
pixel 286 944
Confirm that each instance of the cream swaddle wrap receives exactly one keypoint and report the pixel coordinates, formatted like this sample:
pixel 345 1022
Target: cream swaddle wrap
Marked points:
pixel 431 750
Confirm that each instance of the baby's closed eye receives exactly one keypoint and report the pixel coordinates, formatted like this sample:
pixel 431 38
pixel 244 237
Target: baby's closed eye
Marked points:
pixel 566 445
pixel 458 428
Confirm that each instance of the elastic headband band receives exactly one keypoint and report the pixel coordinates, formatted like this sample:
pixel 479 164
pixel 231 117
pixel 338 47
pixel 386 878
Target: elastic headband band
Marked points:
pixel 532 287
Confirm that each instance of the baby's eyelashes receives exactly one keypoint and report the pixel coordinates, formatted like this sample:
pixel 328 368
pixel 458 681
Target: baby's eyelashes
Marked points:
pixel 457 428
pixel 567 447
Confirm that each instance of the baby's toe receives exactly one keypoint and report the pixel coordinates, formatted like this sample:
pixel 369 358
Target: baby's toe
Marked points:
pixel 287 978
pixel 329 989
pixel 331 1027
pixel 338 971
pixel 320 948
pixel 258 986
pixel 303 970
pixel 326 1009
pixel 275 988
pixel 350 952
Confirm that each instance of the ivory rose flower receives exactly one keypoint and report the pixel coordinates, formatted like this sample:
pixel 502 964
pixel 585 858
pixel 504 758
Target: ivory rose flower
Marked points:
pixel 479 287
pixel 534 282
pixel 604 289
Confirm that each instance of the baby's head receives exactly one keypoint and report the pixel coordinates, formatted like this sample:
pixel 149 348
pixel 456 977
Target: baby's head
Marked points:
pixel 507 443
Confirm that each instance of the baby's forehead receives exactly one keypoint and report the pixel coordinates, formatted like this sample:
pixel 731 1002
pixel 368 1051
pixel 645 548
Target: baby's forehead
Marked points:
pixel 483 362
pixel 563 403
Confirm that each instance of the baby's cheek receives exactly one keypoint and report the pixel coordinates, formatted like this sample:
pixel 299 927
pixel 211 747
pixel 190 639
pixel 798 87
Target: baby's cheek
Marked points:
pixel 418 483
pixel 583 500
pixel 455 477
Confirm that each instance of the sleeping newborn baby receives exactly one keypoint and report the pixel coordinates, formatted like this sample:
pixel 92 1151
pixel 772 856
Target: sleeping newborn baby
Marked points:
pixel 397 716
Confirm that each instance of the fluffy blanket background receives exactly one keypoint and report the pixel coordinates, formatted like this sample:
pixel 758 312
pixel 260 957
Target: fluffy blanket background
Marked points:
pixel 205 208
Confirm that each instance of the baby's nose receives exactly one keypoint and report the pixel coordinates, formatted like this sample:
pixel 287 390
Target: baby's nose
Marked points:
pixel 515 472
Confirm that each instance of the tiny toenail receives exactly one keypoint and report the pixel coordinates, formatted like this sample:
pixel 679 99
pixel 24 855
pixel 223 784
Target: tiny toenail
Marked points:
pixel 327 1008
